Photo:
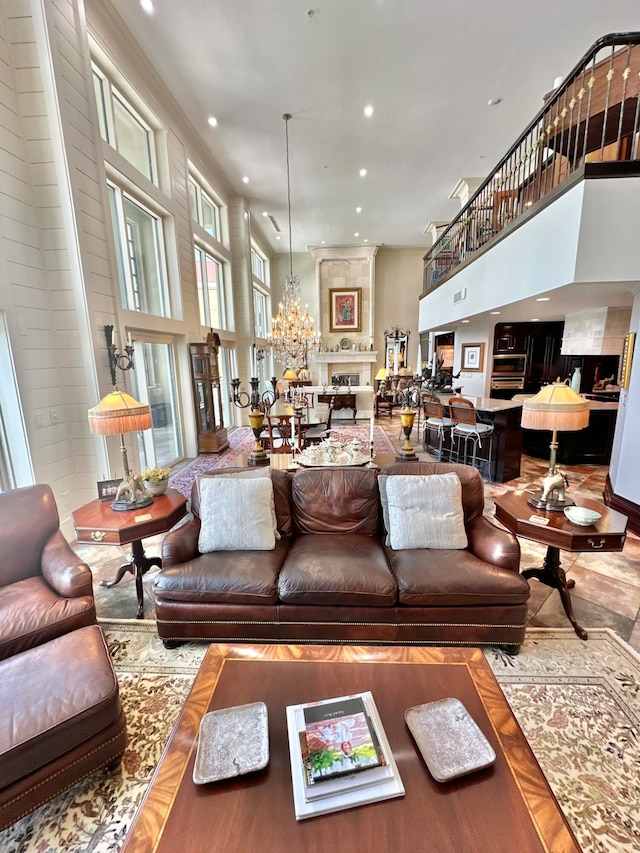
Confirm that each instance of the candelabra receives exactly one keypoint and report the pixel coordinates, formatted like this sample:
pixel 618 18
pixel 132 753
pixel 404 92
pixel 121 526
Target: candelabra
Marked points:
pixel 259 403
pixel 412 396
pixel 243 399
pixel 123 360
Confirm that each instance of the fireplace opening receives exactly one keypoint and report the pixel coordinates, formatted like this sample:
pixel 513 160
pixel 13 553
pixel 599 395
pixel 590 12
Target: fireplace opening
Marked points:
pixel 348 379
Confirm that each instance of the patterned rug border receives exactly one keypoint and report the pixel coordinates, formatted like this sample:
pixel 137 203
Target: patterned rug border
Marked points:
pixel 576 701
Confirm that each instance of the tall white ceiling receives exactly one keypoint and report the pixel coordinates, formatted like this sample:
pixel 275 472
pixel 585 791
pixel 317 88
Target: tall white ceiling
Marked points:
pixel 428 68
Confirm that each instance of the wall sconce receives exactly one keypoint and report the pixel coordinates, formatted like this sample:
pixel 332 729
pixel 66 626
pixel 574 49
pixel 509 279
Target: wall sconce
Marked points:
pixel 123 360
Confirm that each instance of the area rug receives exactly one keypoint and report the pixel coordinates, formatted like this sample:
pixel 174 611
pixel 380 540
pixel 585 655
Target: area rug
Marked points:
pixel 577 702
pixel 241 441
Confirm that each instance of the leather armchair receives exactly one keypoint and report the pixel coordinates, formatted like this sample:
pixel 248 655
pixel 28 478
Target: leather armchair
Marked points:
pixel 45 589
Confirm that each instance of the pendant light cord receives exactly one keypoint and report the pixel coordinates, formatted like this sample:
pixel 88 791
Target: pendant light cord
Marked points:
pixel 286 118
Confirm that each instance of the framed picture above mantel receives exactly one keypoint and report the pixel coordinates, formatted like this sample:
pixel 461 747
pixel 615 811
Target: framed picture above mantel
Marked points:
pixel 345 309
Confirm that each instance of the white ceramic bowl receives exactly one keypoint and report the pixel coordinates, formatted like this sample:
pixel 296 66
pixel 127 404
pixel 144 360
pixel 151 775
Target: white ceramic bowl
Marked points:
pixel 581 515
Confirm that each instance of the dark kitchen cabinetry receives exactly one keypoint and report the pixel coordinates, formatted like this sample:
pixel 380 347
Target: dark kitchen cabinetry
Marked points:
pixel 540 342
pixel 545 362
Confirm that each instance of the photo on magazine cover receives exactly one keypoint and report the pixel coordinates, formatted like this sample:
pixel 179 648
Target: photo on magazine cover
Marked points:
pixel 339 740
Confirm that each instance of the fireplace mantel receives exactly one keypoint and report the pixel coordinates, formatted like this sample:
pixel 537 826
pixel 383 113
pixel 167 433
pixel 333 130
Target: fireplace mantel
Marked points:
pixel 344 361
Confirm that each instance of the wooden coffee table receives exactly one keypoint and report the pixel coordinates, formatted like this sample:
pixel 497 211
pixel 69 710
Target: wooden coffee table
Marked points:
pixel 506 807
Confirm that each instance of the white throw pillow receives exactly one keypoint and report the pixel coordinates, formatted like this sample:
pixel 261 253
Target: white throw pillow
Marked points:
pixel 425 511
pixel 248 474
pixel 235 514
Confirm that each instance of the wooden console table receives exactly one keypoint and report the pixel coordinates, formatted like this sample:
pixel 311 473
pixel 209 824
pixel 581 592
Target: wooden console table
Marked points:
pixel 340 401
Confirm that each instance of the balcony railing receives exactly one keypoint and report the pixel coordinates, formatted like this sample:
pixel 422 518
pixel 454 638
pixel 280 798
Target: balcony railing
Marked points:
pixel 592 117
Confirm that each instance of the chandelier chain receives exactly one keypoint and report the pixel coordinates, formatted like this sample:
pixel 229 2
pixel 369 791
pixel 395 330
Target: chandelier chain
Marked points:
pixel 286 118
pixel 292 337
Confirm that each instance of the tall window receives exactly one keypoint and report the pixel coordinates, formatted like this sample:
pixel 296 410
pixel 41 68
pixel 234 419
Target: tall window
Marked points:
pixel 260 313
pixel 140 248
pixel 257 266
pixel 204 210
pixel 209 279
pixel 154 383
pixel 122 126
pixel 7 477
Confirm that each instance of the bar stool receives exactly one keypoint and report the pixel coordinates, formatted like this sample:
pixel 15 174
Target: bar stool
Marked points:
pixel 467 428
pixel 434 419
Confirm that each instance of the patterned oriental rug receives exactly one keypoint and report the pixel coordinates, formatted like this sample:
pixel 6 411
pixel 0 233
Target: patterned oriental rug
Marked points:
pixel 241 441
pixel 577 702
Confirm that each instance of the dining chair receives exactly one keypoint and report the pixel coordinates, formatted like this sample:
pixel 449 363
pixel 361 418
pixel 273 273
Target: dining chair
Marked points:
pixel 315 434
pixel 280 437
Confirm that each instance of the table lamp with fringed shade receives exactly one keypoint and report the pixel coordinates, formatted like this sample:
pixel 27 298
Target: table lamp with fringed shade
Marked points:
pixel 117 414
pixel 557 408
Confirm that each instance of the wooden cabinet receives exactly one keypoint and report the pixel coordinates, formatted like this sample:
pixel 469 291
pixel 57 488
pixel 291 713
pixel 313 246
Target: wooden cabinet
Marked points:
pixel 207 396
pixel 544 360
pixel 540 342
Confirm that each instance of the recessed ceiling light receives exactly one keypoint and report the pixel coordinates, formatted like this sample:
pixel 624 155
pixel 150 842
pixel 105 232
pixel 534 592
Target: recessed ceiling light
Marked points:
pixel 492 102
pixel 495 312
pixel 543 298
pixel 365 240
pixel 535 319
pixel 264 213
pixel 212 121
pixel 358 210
pixel 356 234
pixel 368 110
pixel 277 236
pixel 147 5
pixel 363 172
pixel 245 180
pixel 466 321
pixel 323 242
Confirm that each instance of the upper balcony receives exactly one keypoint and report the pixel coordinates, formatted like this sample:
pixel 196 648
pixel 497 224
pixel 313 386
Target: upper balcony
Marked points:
pixel 589 127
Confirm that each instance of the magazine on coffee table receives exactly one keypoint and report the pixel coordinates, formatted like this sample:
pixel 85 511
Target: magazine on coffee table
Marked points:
pixel 339 740
pixel 348 789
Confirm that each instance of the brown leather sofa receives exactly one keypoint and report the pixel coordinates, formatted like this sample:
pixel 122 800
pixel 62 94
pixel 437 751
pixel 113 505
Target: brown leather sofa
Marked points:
pixel 60 711
pixel 330 578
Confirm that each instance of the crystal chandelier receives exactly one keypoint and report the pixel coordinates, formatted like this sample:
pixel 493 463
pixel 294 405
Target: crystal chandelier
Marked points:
pixel 293 336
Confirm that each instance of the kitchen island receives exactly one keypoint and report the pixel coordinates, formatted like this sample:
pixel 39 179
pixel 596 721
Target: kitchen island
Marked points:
pixel 505 417
pixel 590 446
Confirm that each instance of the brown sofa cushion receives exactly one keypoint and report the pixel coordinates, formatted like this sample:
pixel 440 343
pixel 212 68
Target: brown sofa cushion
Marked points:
pixel 453 578
pixel 338 500
pixel 53 698
pixel 230 577
pixel 337 570
pixel 32 613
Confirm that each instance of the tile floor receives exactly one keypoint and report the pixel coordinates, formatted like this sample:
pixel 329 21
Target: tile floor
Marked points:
pixel 606 594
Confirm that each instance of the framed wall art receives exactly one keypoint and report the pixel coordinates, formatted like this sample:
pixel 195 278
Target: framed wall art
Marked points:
pixel 345 307
pixel 627 360
pixel 472 358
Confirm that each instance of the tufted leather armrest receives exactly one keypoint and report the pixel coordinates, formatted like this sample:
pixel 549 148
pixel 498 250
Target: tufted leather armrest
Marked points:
pixel 181 545
pixel 63 570
pixel 493 544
